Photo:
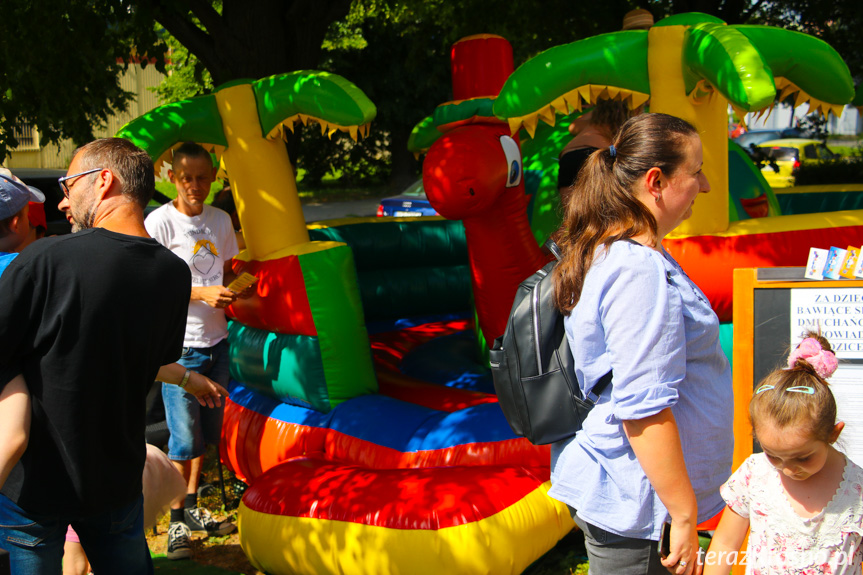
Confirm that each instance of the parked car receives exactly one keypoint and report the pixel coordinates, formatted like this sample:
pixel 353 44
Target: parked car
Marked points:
pixel 783 158
pixel 410 203
pixel 758 136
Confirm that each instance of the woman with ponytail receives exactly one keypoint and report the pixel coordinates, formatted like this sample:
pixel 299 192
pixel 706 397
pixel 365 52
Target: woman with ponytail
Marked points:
pixel 657 445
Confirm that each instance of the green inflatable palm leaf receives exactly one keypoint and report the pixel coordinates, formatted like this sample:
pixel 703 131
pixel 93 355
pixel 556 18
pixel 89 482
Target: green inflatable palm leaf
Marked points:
pixel 328 99
pixel 423 136
pixel 614 65
pixel 729 62
pixel 803 64
pixel 196 119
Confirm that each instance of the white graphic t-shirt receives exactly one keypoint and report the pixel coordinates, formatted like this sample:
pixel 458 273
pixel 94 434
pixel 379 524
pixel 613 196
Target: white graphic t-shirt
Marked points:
pixel 204 242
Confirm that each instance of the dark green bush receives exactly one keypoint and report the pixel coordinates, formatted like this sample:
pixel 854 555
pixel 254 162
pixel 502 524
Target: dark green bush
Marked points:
pixel 841 171
pixel 366 162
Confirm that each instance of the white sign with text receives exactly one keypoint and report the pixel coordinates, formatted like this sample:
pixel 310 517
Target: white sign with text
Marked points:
pixel 838 312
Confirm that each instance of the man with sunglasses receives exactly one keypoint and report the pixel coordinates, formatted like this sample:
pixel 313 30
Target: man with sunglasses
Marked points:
pixel 89 319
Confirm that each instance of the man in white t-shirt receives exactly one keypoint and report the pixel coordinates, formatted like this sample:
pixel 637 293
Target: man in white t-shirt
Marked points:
pixel 203 237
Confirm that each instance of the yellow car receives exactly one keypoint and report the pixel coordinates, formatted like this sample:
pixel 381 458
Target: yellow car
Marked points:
pixel 781 159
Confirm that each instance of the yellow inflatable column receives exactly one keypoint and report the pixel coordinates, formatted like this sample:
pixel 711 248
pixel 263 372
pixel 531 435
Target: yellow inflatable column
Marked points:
pixel 261 176
pixel 707 110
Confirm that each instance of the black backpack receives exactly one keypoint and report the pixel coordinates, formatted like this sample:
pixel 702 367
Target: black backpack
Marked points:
pixel 533 367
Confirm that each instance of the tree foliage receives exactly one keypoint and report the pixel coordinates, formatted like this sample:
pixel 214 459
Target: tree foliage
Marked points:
pixel 187 77
pixel 837 22
pixel 399 54
pixel 60 64
pixel 59 60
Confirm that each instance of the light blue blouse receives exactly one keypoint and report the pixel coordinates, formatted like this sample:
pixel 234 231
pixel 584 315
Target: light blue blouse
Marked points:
pixel 641 316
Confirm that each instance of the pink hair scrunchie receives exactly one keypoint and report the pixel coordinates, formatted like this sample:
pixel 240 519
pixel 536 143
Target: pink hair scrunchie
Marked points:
pixel 824 362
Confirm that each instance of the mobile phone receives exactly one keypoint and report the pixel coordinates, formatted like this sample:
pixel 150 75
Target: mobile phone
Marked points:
pixel 665 541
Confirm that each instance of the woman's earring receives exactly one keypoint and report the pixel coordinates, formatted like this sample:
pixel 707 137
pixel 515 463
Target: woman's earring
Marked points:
pixel 658 197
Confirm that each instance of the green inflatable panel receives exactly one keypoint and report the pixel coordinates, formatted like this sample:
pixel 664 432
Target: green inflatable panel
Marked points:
pixel 314 371
pixel 424 271
pixel 393 244
pixel 726 340
pixel 540 156
pixel 818 202
pixel 411 292
pixel 334 299
pixel 284 367
pixel 749 195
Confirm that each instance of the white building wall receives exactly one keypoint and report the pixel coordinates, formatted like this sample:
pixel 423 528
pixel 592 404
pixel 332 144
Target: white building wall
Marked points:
pixel 849 124
pixel 135 79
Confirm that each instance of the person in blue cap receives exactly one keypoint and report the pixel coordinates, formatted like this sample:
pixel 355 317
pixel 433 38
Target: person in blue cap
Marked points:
pixel 15 198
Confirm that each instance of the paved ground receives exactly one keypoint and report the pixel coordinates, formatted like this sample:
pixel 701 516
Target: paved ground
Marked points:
pixel 315 212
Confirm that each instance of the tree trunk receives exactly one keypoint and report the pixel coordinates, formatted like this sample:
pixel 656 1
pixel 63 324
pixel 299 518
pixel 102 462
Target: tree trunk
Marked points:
pixel 253 39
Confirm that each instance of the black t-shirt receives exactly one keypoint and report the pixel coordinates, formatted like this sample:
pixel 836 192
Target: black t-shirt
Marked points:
pixel 570 164
pixel 88 319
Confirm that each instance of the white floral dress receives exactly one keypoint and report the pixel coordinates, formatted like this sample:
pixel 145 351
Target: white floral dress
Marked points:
pixel 781 542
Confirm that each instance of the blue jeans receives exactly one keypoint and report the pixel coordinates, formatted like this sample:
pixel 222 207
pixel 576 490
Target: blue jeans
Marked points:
pixel 191 425
pixel 113 540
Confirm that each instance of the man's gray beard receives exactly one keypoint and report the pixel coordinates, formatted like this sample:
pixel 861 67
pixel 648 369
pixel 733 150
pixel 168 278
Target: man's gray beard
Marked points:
pixel 86 222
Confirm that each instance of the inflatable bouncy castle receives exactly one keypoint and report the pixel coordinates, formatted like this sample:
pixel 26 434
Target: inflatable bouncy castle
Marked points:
pixel 354 466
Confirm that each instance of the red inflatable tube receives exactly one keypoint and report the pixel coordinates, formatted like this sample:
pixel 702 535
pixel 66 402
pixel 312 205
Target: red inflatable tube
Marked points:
pixel 710 260
pixel 254 443
pixel 388 350
pixel 400 499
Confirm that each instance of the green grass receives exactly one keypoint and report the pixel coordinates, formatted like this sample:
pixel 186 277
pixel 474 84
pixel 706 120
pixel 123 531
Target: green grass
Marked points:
pixel 844 151
pixel 568 557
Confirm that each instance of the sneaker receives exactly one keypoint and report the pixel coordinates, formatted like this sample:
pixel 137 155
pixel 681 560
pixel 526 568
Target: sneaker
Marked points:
pixel 179 541
pixel 199 520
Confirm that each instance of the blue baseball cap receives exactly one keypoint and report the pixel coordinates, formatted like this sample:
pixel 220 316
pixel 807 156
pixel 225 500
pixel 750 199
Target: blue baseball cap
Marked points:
pixel 15 194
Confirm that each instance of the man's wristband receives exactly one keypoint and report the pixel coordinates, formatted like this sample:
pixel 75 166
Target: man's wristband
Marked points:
pixel 185 379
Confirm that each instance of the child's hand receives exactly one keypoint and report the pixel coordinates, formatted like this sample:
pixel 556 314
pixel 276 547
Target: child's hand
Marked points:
pixel 216 296
pixel 206 391
pixel 683 556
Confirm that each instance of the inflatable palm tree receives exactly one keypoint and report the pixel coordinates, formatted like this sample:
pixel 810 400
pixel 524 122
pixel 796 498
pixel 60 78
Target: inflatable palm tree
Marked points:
pixel 691 66
pixel 301 338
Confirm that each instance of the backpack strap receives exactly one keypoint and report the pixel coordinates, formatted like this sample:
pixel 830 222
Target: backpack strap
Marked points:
pixel 551 246
pixel 593 394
